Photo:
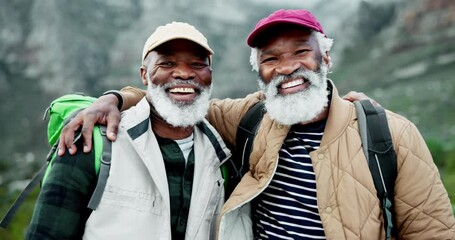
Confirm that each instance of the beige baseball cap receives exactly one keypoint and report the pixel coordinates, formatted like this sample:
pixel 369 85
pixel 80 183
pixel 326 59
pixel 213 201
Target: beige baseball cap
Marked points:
pixel 171 31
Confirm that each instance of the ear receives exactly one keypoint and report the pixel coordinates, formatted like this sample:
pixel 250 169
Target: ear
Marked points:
pixel 144 75
pixel 326 58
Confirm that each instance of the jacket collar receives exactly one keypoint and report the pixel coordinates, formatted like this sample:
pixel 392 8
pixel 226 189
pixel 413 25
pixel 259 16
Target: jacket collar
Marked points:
pixel 137 122
pixel 338 117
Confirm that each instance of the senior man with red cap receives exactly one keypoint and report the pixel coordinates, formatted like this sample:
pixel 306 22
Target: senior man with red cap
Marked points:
pixel 164 181
pixel 309 178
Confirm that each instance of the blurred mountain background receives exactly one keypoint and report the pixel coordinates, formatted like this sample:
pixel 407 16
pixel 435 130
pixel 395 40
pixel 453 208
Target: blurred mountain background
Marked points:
pixel 401 53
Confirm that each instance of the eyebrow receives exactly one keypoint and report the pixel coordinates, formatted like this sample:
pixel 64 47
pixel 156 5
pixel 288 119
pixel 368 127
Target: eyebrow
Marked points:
pixel 304 42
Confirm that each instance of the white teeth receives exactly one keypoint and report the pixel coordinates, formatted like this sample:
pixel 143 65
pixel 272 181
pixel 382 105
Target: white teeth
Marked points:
pixel 292 83
pixel 181 90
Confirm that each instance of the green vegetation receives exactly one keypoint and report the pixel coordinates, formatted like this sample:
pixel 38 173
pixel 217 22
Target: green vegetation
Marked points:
pixel 447 163
pixel 18 226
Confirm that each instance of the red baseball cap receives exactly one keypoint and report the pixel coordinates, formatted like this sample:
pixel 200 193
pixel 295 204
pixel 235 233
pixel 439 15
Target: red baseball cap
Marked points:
pixel 298 17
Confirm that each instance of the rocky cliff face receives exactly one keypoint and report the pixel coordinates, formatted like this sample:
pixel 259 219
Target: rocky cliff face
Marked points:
pixel 407 62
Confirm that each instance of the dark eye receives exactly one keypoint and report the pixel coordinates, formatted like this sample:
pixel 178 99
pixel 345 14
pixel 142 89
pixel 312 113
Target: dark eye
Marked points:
pixel 269 59
pixel 302 51
pixel 198 65
pixel 167 64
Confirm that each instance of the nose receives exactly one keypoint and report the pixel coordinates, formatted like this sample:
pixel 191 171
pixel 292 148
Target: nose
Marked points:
pixel 183 71
pixel 288 66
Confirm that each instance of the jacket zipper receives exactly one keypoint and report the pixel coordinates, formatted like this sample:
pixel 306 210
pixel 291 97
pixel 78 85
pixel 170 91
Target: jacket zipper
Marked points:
pixel 212 191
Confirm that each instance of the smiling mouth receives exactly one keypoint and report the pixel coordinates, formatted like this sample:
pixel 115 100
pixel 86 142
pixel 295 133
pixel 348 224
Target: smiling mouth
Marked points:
pixel 182 90
pixel 183 94
pixel 292 83
pixel 293 86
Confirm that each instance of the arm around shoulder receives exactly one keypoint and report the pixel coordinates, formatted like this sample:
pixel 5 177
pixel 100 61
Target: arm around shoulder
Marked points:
pixel 131 96
pixel 226 114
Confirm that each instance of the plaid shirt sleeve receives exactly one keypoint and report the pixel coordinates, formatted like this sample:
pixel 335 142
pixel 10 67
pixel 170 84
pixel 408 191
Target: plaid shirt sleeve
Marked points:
pixel 61 209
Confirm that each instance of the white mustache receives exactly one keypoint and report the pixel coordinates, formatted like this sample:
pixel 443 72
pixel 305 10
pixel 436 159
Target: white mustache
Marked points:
pixel 308 75
pixel 179 82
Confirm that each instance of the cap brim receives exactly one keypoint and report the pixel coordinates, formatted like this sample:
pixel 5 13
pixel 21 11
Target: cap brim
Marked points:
pixel 164 40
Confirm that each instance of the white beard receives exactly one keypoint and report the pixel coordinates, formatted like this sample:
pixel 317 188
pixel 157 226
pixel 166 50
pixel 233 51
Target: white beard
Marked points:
pixel 179 114
pixel 299 107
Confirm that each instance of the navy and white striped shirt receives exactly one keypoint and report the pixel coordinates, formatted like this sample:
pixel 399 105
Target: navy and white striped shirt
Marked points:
pixel 287 209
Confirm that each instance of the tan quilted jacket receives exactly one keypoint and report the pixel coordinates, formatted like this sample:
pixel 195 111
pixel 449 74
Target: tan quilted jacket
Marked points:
pixel 347 201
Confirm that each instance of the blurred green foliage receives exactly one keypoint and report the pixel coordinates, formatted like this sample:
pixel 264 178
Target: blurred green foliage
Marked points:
pixel 18 226
pixel 447 170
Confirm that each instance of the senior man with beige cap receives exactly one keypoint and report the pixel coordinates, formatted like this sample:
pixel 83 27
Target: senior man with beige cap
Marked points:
pixel 165 181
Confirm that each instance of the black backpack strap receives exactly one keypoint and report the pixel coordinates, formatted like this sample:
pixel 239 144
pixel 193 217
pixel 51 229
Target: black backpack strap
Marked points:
pixel 381 157
pixel 103 175
pixel 246 132
pixel 227 165
pixel 221 155
pixel 239 165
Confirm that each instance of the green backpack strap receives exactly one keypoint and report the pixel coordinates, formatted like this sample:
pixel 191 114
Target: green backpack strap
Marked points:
pixel 56 139
pixel 382 160
pixel 102 165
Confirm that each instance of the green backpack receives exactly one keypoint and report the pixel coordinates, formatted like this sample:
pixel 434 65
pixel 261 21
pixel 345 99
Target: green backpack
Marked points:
pixel 59 113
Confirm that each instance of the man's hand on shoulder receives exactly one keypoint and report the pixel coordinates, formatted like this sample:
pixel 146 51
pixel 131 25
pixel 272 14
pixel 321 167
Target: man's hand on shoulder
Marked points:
pixel 103 111
pixel 357 96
